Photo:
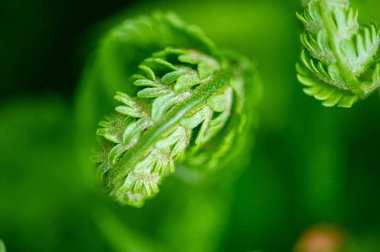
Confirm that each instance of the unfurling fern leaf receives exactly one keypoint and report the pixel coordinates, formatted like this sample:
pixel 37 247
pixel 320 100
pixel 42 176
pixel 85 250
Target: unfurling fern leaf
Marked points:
pixel 186 102
pixel 338 64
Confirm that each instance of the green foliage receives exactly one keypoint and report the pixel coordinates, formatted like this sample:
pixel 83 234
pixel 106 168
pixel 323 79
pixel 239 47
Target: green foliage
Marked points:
pixel 186 105
pixel 338 63
pixel 309 165
pixel 43 191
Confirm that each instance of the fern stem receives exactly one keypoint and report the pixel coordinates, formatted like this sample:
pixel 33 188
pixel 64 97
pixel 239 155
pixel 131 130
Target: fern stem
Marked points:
pixel 330 26
pixel 200 95
pixel 120 237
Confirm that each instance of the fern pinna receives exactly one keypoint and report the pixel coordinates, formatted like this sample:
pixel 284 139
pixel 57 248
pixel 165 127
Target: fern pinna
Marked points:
pixel 339 64
pixel 186 103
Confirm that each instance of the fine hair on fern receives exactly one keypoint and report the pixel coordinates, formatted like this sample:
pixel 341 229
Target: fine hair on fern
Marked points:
pixel 338 63
pixel 186 103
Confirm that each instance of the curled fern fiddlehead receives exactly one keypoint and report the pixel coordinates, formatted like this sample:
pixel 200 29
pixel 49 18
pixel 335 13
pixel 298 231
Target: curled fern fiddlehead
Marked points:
pixel 185 103
pixel 338 64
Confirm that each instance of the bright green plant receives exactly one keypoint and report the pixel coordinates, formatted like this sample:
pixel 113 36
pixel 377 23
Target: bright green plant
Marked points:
pixel 181 101
pixel 338 64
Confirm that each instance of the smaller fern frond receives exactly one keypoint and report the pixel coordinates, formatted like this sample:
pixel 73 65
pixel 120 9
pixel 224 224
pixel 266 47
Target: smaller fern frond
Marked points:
pixel 338 54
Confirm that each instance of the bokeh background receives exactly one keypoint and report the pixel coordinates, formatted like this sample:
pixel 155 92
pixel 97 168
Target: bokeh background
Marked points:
pixel 309 164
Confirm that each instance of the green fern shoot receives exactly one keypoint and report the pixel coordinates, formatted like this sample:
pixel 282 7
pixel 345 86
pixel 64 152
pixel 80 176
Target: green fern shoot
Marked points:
pixel 338 64
pixel 186 104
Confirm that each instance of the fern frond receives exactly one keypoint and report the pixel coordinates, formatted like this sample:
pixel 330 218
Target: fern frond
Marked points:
pixel 185 105
pixel 339 54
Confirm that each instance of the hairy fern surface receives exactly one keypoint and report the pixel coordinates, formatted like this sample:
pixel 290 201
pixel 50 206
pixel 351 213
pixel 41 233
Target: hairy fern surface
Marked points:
pixel 179 100
pixel 339 63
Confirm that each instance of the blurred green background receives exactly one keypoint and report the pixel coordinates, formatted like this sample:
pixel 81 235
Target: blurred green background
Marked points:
pixel 309 164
